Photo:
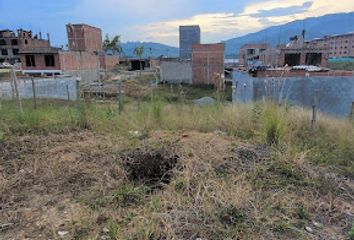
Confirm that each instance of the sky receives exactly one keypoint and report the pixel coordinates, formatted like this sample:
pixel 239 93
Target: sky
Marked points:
pixel 158 20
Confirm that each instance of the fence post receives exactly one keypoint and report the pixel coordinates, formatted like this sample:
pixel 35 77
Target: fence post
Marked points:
pixel 352 112
pixel 314 110
pixel 67 91
pixel 78 94
pixel 14 80
pixel 34 94
pixel 120 98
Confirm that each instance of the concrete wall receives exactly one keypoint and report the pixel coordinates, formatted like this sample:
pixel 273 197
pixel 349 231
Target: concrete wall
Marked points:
pixel 176 72
pixel 47 88
pixel 335 94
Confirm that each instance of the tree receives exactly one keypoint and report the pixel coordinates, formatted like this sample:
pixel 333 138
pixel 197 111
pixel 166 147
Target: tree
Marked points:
pixel 113 44
pixel 139 51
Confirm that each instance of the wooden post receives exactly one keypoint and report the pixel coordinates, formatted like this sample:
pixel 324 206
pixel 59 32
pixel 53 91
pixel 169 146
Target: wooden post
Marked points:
pixel 314 110
pixel 67 91
pixel 34 94
pixel 78 94
pixel 14 80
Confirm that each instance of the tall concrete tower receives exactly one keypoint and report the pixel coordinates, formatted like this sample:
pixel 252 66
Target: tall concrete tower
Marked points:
pixel 188 35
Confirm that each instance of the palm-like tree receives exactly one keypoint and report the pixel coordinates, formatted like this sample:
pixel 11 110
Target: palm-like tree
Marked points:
pixel 139 51
pixel 113 44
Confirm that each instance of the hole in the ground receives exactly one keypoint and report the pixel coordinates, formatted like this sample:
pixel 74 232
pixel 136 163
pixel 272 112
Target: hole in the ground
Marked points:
pixel 153 168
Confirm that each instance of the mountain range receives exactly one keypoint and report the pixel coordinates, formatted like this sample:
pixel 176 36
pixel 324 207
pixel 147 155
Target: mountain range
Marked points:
pixel 315 27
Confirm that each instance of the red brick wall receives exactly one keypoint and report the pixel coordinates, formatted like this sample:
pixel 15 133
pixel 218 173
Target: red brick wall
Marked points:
pixel 70 60
pixel 84 38
pixel 40 62
pixel 207 59
pixel 110 62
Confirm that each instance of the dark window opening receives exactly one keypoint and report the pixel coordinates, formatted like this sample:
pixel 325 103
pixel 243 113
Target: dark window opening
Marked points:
pixel 26 41
pixel 15 51
pixel 251 51
pixel 49 60
pixel 14 42
pixel 2 42
pixel 313 59
pixel 30 61
pixel 4 52
pixel 292 59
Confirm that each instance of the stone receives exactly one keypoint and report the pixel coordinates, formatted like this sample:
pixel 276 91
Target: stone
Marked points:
pixel 317 224
pixel 205 101
pixel 105 230
pixel 309 230
pixel 62 233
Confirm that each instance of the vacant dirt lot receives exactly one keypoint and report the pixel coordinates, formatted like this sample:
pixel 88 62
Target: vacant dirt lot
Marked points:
pixel 168 185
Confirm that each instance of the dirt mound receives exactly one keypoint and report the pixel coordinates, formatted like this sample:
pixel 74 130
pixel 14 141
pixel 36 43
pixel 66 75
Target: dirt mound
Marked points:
pixel 153 168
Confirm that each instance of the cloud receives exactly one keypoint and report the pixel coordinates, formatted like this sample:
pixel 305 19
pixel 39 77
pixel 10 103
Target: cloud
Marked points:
pixel 255 16
pixel 284 11
pixel 213 26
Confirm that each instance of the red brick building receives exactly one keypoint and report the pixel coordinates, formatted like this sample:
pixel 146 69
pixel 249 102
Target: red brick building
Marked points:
pixel 12 43
pixel 207 59
pixel 339 45
pixel 84 57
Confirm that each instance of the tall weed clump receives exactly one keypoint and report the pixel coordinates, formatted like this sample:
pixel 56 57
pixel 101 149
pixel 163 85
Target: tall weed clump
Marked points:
pixel 273 124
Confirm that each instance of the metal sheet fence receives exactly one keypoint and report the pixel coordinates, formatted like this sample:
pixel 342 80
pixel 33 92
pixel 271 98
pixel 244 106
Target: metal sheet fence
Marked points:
pixel 335 95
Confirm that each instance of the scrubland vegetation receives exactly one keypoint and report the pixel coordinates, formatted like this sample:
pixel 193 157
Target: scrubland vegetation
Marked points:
pixel 168 169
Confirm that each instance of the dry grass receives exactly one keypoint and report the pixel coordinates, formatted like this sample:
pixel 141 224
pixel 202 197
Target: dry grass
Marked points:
pixel 243 172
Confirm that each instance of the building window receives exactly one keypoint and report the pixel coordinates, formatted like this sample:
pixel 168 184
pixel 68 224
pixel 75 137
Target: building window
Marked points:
pixel 15 51
pixel 4 52
pixel 30 61
pixel 2 42
pixel 26 41
pixel 14 42
pixel 49 60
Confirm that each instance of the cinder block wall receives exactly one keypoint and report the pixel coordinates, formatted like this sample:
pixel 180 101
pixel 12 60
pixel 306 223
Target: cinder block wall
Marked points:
pixel 176 72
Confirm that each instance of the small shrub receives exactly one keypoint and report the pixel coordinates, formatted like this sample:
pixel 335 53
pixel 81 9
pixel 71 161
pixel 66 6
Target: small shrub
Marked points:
pixel 230 216
pixel 114 229
pixel 351 233
pixel 129 195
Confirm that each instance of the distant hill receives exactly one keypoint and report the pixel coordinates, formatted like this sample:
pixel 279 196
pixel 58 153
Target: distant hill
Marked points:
pixel 151 49
pixel 315 28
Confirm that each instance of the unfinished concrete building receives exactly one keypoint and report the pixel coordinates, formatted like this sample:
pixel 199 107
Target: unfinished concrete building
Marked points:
pixel 12 43
pixel 299 52
pixel 250 53
pixel 207 60
pixel 296 52
pixel 188 36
